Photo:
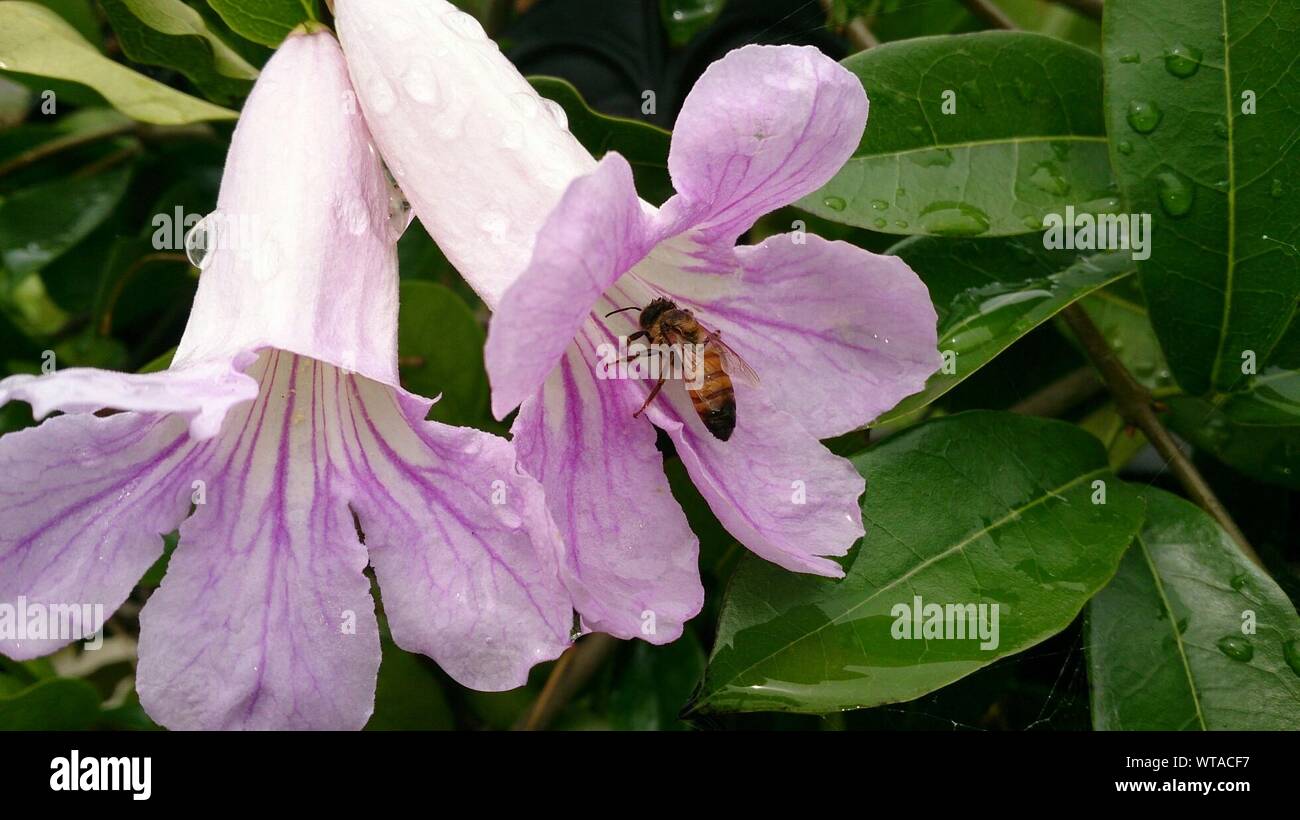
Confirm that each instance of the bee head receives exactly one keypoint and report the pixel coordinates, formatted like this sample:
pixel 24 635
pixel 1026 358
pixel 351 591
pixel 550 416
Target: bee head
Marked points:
pixel 654 310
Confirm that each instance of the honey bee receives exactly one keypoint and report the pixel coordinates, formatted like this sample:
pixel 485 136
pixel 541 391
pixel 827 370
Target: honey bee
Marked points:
pixel 665 324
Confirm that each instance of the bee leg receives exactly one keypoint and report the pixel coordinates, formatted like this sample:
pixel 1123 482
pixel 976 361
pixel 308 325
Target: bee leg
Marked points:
pixel 659 385
pixel 640 334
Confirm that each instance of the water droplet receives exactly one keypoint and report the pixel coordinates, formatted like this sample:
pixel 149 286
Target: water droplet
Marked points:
pixel 1176 193
pixel 1221 128
pixel 1024 90
pixel 1291 653
pixel 835 203
pixel 1124 147
pixel 1182 61
pixel 381 96
pixel 971 93
pixel 901 223
pixel 1276 188
pixel 1144 116
pixel 1131 57
pixel 465 25
pixel 1239 649
pixel 399 210
pixel 954 219
pixel 1033 223
pixel 421 83
pixel 935 157
pixel 900 193
pixel 557 113
pixel 880 204
pixel 201 241
pixel 1047 177
pixel 1238 582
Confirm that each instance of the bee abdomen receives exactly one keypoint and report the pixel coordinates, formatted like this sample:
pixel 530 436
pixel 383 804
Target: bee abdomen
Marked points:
pixel 715 403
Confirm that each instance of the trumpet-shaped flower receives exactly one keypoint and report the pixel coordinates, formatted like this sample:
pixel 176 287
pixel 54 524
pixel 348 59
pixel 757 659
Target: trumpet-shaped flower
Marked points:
pixel 555 243
pixel 282 440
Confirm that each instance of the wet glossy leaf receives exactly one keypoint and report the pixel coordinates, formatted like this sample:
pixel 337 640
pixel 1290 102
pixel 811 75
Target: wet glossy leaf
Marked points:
pixel 644 146
pixel 34 40
pixel 1013 150
pixel 171 34
pixel 262 21
pixel 1181 77
pixel 441 352
pixel 989 293
pixel 1020 529
pixel 1166 648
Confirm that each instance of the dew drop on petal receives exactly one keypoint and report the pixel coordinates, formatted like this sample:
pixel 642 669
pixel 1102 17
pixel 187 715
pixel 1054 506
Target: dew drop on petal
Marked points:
pixel 201 240
pixel 557 113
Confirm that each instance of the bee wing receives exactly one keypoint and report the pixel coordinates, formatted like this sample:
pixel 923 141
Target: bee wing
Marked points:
pixel 733 363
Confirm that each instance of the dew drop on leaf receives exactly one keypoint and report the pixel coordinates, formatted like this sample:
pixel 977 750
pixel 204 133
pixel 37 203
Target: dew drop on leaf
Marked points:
pixel 1144 116
pixel 1239 649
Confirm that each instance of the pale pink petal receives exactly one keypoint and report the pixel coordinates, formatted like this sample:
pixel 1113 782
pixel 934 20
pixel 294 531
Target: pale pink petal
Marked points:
pixel 264 619
pixel 462 545
pixel 763 127
pixel 85 502
pixel 631 560
pixel 481 156
pixel 838 335
pixel 772 484
pixel 598 231
pixel 305 252
pixel 204 392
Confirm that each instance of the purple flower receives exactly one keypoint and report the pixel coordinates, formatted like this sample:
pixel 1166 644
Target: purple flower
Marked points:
pixel 282 424
pixel 836 334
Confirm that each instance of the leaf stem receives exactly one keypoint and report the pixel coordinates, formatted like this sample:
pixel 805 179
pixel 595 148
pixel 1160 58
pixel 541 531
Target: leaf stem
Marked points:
pixel 574 668
pixel 1055 399
pixel 1135 404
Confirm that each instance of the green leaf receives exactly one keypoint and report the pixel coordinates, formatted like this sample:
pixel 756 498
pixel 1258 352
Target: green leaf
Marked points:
pixel 1015 150
pixel 683 19
pixel 1217 180
pixel 57 704
pixel 441 352
pixel 654 683
pixel 35 40
pixel 989 293
pixel 40 223
pixel 643 145
pixel 169 33
pixel 408 696
pixel 1166 648
pixel 263 21
pixel 1019 528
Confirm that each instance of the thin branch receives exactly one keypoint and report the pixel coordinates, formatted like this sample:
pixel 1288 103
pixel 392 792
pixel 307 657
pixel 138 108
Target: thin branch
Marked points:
pixel 1088 8
pixel 1135 404
pixel 570 673
pixel 1061 395
pixel 857 31
pixel 989 13
pixel 55 146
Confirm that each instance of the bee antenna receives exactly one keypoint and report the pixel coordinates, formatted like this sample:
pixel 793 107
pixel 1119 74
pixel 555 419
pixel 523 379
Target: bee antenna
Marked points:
pixel 621 310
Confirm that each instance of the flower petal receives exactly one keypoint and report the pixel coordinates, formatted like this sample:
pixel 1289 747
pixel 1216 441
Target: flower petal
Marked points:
pixel 264 619
pixel 85 502
pixel 204 392
pixel 460 540
pixel 302 252
pixel 838 334
pixel 772 484
pixel 631 560
pixel 481 156
pixel 762 127
pixel 597 232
